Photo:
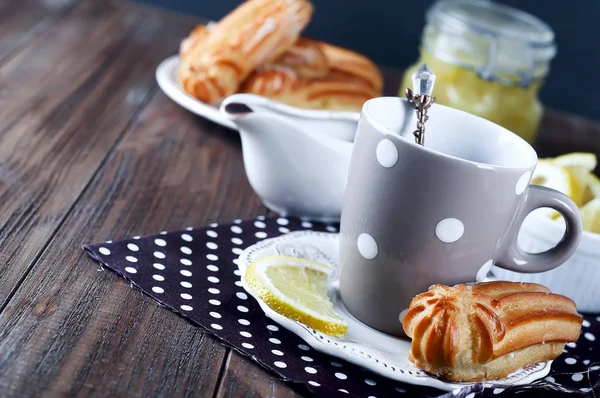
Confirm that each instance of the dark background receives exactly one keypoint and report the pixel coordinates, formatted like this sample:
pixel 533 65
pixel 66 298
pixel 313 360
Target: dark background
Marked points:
pixel 388 31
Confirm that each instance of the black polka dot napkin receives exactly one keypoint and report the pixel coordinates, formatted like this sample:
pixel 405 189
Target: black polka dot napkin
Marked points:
pixel 194 273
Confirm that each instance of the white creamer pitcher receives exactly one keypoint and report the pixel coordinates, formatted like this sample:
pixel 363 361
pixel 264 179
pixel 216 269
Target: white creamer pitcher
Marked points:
pixel 296 160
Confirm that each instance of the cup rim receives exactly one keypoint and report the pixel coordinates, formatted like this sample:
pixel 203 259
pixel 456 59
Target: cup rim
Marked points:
pixel 503 130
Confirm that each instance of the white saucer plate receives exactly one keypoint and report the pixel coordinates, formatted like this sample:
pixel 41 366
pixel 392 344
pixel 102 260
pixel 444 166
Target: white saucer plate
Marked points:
pixel 362 345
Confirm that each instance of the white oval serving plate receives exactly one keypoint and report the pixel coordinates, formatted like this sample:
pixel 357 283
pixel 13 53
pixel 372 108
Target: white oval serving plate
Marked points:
pixel 364 346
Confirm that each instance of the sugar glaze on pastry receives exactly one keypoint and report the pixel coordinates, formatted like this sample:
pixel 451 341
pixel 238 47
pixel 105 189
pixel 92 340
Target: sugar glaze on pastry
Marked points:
pixel 296 78
pixel 214 62
pixel 488 330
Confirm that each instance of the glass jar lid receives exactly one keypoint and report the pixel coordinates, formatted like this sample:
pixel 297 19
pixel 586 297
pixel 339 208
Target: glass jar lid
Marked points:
pixel 500 42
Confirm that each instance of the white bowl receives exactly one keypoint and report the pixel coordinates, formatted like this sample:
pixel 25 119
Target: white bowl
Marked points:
pixel 578 278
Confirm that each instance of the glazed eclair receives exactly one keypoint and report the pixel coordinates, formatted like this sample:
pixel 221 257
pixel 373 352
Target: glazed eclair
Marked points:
pixel 257 32
pixel 488 330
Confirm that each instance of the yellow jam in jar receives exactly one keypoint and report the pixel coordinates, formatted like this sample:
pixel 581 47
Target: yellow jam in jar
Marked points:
pixel 489 60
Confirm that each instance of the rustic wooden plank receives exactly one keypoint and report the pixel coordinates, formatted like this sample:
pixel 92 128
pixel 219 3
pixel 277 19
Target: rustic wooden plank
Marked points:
pixel 66 100
pixel 24 21
pixel 243 378
pixel 72 330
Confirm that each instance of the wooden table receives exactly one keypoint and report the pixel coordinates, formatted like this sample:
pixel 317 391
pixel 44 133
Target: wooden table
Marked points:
pixel 90 150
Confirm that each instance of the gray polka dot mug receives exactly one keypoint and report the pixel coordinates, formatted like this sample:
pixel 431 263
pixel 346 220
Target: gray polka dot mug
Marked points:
pixel 414 215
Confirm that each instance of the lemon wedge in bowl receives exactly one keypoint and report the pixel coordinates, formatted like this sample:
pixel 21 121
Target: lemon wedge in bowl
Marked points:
pixel 581 166
pixel 587 161
pixel 550 175
pixel 593 185
pixel 590 215
pixel 297 289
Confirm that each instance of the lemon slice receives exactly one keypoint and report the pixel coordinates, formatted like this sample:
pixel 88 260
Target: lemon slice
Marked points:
pixel 297 289
pixel 552 176
pixel 579 182
pixel 587 161
pixel 590 215
pixel 593 185
pixel 549 175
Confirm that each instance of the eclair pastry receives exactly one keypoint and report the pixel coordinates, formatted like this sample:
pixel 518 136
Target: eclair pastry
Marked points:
pixel 255 33
pixel 350 81
pixel 353 64
pixel 488 330
pixel 196 36
pixel 336 91
pixel 306 57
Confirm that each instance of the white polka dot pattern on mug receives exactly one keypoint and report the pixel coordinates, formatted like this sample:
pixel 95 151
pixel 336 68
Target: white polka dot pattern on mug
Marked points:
pixel 367 247
pixel 522 183
pixel 484 270
pixel 449 230
pixel 402 314
pixel 387 153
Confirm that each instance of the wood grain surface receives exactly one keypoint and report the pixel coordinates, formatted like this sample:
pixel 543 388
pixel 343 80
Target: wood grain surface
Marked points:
pixel 91 150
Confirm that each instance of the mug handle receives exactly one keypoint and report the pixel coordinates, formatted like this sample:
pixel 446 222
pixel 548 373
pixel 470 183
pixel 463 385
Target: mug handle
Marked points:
pixel 516 259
